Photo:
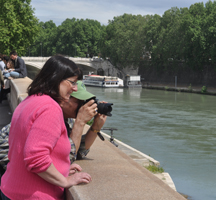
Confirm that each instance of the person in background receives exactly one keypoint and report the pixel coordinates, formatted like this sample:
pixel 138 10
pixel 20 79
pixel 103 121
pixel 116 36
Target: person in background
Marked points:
pixel 5 60
pixel 19 70
pixel 39 164
pixel 2 64
pixel 5 89
pixel 2 86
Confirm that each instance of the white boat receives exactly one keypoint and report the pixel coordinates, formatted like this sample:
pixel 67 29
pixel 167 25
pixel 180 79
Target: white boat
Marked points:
pixel 133 81
pixel 102 81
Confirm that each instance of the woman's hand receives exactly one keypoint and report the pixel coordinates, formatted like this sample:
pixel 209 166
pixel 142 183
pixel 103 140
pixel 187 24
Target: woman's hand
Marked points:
pixel 53 176
pixel 75 168
pixel 78 178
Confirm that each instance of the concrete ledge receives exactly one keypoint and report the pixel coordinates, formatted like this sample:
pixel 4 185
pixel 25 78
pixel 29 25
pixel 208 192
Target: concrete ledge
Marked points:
pixel 116 176
pixel 139 155
pixel 18 91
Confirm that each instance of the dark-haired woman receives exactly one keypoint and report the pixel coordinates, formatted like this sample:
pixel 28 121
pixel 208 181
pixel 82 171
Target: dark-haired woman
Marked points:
pixel 39 147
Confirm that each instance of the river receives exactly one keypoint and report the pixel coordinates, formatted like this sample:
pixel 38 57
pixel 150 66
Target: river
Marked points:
pixel 177 129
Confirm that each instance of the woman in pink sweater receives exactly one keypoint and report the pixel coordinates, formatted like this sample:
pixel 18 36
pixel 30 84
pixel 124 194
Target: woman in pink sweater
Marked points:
pixel 39 147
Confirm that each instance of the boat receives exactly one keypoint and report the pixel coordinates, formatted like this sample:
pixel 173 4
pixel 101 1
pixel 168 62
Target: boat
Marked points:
pixel 102 81
pixel 133 81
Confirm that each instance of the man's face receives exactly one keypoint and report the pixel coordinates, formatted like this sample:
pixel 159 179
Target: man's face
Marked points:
pixel 13 57
pixel 71 108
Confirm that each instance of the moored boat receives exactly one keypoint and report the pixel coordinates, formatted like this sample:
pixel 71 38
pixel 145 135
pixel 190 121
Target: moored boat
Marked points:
pixel 102 81
pixel 133 81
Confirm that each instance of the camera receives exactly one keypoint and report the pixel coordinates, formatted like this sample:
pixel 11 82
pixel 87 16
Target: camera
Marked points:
pixel 103 108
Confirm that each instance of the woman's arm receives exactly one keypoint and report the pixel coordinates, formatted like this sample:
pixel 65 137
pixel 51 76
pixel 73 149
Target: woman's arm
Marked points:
pixel 53 176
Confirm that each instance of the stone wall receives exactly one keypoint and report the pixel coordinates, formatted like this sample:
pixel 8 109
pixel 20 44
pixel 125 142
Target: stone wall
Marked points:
pixel 185 76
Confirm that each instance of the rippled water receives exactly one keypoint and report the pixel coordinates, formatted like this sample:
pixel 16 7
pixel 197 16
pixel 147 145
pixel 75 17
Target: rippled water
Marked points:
pixel 177 129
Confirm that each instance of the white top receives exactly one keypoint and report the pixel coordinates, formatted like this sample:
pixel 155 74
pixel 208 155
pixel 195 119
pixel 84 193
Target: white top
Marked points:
pixel 2 65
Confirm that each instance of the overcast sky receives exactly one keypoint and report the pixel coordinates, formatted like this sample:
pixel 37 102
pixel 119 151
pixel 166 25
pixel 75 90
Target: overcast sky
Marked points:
pixel 102 10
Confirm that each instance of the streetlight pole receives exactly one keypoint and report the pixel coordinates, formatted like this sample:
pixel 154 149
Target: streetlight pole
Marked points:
pixel 75 49
pixel 41 48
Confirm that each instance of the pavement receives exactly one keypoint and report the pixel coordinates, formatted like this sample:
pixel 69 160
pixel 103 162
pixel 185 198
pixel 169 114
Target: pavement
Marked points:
pixel 115 175
pixel 143 160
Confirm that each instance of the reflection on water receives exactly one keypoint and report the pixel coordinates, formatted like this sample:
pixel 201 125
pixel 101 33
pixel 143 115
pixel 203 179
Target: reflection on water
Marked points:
pixel 175 128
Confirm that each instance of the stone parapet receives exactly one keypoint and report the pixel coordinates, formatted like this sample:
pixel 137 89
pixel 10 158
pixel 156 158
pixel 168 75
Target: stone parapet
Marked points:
pixel 18 91
pixel 117 176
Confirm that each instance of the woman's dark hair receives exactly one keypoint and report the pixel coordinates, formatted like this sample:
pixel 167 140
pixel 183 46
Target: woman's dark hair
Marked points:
pixel 6 58
pixel 56 69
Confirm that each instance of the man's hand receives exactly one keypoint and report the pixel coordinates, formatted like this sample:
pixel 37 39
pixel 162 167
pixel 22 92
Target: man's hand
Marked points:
pixel 87 112
pixel 99 120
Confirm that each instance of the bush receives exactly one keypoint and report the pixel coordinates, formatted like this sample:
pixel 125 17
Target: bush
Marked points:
pixel 155 169
pixel 190 87
pixel 204 89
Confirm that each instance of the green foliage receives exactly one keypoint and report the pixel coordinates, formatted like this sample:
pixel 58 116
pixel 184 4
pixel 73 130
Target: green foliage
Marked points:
pixel 90 122
pixel 18 26
pixel 185 36
pixel 203 89
pixel 123 41
pixel 74 37
pixel 190 87
pixel 45 42
pixel 155 169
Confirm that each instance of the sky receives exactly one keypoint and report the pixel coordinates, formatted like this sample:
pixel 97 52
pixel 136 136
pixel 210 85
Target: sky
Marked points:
pixel 102 10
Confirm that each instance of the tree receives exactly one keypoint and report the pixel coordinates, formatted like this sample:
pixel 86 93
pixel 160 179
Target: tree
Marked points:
pixel 18 25
pixel 79 37
pixel 45 42
pixel 124 42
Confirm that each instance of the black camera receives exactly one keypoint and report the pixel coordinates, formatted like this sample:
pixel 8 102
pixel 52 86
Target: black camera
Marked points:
pixel 103 108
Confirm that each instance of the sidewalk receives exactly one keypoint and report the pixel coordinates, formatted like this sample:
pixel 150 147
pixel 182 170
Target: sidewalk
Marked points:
pixel 115 175
pixel 5 113
pixel 143 159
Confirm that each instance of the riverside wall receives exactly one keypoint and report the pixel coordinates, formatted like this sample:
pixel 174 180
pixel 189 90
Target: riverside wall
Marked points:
pixel 185 76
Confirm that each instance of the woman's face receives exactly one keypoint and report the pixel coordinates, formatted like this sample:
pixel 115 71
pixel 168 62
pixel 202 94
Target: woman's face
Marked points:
pixel 67 86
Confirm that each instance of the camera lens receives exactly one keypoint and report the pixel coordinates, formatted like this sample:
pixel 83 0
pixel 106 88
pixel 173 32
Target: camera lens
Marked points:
pixel 105 108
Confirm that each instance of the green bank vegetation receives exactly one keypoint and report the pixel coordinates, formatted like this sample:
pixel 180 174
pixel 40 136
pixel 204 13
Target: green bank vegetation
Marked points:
pixel 155 169
pixel 185 36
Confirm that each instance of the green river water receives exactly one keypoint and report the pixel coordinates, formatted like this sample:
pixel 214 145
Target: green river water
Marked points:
pixel 177 129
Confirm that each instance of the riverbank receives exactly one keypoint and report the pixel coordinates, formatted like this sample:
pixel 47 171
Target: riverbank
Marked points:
pixel 144 160
pixel 190 89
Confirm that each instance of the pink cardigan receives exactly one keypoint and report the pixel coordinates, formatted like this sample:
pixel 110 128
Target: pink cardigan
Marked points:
pixel 37 138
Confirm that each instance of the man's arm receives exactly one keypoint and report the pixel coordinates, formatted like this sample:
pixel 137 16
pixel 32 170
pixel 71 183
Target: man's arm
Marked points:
pixel 91 135
pixel 86 113
pixel 20 65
